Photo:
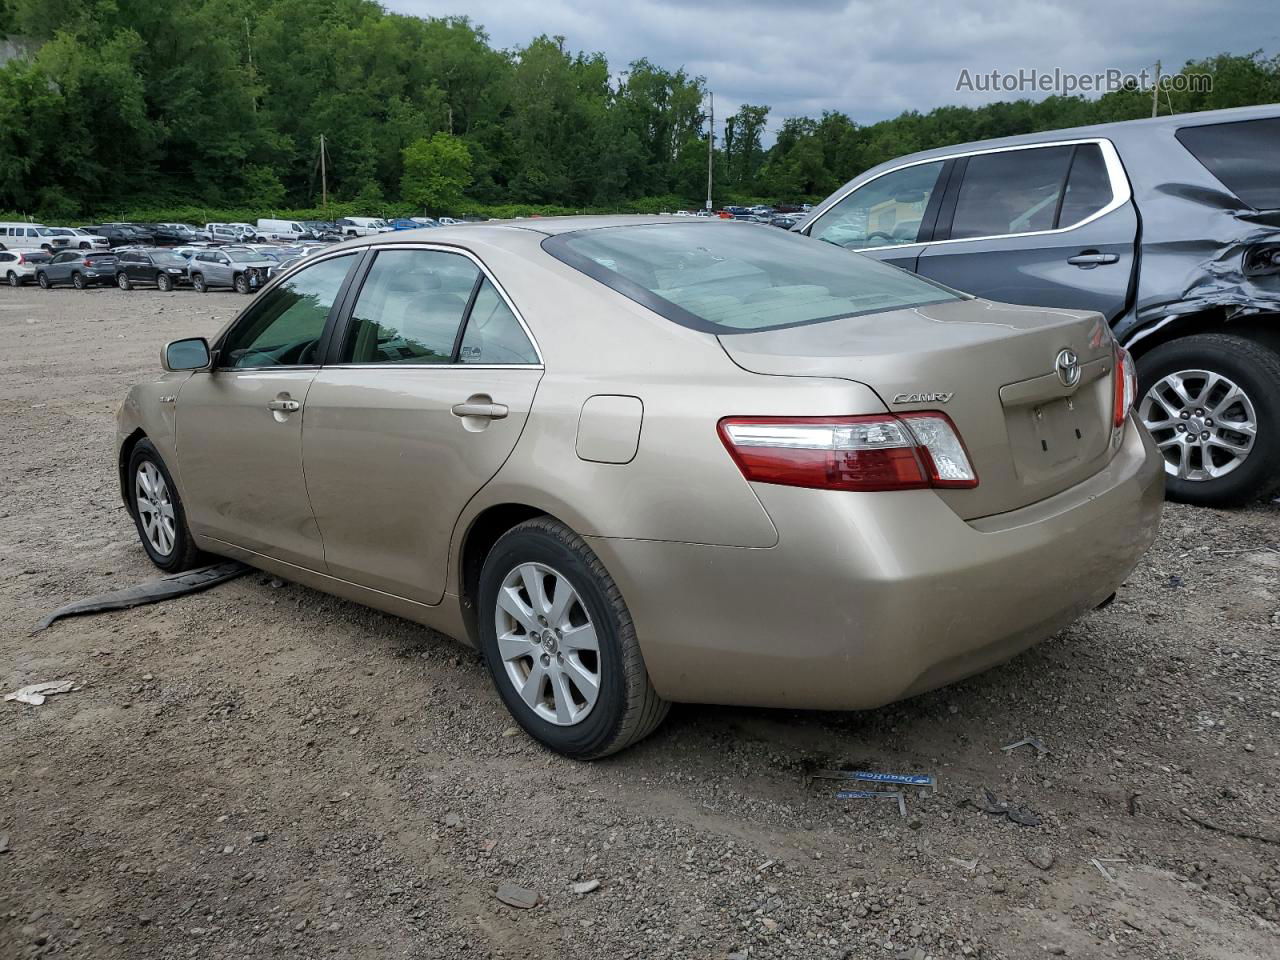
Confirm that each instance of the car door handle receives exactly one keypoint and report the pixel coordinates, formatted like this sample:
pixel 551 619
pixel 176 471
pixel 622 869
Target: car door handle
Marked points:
pixel 1092 259
pixel 284 406
pixel 490 411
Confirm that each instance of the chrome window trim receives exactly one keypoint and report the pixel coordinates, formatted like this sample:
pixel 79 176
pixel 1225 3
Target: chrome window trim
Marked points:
pixel 1121 192
pixel 480 265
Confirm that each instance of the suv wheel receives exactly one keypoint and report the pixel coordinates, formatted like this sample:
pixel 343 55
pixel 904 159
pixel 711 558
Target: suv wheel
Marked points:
pixel 77 281
pixel 560 646
pixel 164 282
pixel 122 281
pixel 197 282
pixel 242 283
pixel 1210 403
pixel 157 511
pixel 43 279
pixel 14 279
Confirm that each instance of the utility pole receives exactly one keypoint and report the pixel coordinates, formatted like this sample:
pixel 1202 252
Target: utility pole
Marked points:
pixel 324 178
pixel 711 147
pixel 1155 92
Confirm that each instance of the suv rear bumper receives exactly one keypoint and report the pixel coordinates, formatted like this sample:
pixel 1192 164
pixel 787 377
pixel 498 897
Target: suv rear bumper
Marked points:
pixel 869 598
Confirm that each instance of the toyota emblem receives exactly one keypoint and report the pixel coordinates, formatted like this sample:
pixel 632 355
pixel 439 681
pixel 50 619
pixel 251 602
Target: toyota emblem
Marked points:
pixel 1067 367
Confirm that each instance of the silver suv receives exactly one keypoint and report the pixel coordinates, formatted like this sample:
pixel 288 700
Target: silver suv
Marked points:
pixel 242 270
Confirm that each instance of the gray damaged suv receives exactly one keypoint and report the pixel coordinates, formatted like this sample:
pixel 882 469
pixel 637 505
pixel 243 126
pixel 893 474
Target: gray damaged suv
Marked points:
pixel 242 270
pixel 1169 227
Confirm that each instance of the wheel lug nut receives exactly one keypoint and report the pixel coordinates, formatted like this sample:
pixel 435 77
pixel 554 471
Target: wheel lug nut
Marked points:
pixel 546 660
pixel 560 657
pixel 1205 435
pixel 1209 423
pixel 1181 428
pixel 1184 415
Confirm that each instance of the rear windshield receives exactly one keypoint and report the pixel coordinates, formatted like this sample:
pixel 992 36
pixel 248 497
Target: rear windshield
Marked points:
pixel 1244 155
pixel 726 277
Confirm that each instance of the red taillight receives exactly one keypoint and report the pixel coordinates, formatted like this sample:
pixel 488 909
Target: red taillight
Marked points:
pixel 88 262
pixel 1124 381
pixel 869 453
pixel 21 260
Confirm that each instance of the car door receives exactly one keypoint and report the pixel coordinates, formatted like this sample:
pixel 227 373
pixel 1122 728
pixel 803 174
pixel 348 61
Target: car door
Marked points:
pixel 433 378
pixel 888 217
pixel 58 269
pixel 239 425
pixel 1049 225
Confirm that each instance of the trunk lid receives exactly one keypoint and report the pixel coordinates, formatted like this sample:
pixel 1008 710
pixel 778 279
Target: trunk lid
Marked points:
pixel 991 367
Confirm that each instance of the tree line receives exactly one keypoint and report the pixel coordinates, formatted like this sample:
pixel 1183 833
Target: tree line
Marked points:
pixel 116 105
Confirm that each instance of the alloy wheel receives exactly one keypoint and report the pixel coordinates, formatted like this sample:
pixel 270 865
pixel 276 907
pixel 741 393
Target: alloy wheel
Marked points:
pixel 155 508
pixel 1203 423
pixel 548 644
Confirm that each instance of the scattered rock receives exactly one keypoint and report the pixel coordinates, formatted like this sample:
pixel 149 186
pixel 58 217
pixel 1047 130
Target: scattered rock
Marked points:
pixel 259 837
pixel 510 731
pixel 452 820
pixel 522 898
pixel 1041 857
pixel 586 887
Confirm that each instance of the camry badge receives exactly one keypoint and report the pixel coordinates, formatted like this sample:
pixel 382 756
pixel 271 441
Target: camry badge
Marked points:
pixel 922 397
pixel 1067 367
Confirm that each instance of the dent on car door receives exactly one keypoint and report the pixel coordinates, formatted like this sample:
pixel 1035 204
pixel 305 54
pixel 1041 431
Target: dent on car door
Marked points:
pixel 1050 226
pixel 888 217
pixel 239 432
pixel 434 379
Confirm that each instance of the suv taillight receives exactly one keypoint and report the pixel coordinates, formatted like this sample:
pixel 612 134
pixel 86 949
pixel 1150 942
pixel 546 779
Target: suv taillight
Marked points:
pixel 1125 386
pixel 911 451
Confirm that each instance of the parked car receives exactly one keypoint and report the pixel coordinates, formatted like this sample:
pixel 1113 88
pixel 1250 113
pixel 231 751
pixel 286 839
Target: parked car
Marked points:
pixel 284 230
pixel 29 236
pixel 81 239
pixel 229 232
pixel 143 234
pixel 121 235
pixel 80 268
pixel 362 226
pixel 169 234
pixel 449 222
pixel 406 223
pixel 1167 227
pixel 19 266
pixel 928 482
pixel 241 269
pixel 162 268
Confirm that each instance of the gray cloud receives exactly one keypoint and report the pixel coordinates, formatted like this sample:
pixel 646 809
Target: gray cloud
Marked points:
pixel 869 58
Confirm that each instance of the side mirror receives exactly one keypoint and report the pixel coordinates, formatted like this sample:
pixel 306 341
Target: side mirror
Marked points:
pixel 189 354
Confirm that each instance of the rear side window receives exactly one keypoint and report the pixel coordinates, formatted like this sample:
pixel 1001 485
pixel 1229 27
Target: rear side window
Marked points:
pixel 1013 191
pixel 493 333
pixel 727 277
pixel 1244 156
pixel 1088 186
pixel 410 308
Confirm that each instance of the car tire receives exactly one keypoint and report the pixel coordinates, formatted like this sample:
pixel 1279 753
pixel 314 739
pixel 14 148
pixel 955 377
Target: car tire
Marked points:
pixel 164 282
pixel 241 283
pixel 86 246
pixel 1237 361
pixel 42 278
pixel 77 281
pixel 158 513
pixel 197 282
pixel 14 279
pixel 122 281
pixel 625 708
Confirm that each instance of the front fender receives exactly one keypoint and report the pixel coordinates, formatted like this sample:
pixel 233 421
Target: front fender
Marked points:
pixel 150 410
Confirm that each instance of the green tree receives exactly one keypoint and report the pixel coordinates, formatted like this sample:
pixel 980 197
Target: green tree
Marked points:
pixel 436 172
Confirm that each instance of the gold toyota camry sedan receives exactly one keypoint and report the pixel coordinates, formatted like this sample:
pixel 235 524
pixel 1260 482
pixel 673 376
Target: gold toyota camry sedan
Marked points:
pixel 636 461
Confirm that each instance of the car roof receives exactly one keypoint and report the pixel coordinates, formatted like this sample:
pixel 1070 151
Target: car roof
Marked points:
pixel 1118 131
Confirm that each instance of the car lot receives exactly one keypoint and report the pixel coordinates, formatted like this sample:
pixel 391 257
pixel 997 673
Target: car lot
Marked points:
pixel 262 769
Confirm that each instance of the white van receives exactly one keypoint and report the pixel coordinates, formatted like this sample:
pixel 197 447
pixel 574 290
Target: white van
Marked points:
pixel 286 230
pixel 30 236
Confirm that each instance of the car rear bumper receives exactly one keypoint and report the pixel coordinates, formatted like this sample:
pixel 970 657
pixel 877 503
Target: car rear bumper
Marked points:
pixel 869 598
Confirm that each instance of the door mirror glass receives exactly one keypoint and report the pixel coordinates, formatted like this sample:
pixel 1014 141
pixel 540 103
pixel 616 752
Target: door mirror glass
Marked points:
pixel 189 354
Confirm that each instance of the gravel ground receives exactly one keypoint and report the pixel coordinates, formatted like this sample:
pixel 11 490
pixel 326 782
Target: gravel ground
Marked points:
pixel 263 770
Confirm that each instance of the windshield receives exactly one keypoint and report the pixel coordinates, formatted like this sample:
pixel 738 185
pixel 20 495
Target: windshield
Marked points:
pixel 726 277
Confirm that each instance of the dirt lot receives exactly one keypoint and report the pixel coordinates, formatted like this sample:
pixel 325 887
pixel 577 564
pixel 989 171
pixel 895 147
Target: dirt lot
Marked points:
pixel 263 770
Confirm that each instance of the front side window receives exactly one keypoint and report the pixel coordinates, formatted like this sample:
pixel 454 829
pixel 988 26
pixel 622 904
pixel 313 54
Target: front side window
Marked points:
pixel 285 325
pixel 727 277
pixel 1013 191
pixel 888 211
pixel 1244 156
pixel 493 333
pixel 410 308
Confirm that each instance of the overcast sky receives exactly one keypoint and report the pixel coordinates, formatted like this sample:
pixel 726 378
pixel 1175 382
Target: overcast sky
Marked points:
pixel 873 59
